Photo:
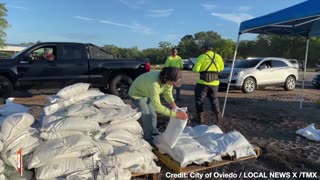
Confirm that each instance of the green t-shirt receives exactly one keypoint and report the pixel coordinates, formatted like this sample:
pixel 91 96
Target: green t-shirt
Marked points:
pixel 174 62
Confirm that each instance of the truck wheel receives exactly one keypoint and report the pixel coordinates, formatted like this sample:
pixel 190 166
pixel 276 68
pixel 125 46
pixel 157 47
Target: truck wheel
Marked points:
pixel 120 85
pixel 290 83
pixel 249 85
pixel 6 87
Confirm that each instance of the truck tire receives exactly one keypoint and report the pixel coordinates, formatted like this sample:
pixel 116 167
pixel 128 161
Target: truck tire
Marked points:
pixel 120 85
pixel 6 87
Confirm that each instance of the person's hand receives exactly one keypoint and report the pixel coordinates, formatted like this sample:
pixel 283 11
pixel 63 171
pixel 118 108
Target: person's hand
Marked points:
pixel 175 108
pixel 181 115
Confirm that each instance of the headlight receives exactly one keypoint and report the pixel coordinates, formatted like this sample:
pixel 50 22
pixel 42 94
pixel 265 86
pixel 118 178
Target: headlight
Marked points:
pixel 237 73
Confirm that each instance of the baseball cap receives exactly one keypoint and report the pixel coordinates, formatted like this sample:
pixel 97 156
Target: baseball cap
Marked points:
pixel 207 45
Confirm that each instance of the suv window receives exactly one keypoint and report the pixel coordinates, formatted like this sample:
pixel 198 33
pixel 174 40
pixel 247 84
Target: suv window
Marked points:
pixel 72 52
pixel 277 63
pixel 98 53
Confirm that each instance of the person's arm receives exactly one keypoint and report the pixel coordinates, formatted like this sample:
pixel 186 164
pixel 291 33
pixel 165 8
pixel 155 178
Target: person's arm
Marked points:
pixel 197 64
pixel 155 100
pixel 220 62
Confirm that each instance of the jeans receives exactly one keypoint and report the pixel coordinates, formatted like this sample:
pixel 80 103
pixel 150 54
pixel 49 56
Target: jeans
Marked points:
pixel 201 91
pixel 149 117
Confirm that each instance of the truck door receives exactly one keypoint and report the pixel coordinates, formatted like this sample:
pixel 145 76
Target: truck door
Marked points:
pixel 73 64
pixel 38 69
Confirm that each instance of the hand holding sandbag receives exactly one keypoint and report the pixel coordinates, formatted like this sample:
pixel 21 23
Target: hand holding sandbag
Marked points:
pixel 182 115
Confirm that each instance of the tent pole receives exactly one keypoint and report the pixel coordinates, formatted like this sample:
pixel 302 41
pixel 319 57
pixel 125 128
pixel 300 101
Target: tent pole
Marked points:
pixel 304 71
pixel 229 81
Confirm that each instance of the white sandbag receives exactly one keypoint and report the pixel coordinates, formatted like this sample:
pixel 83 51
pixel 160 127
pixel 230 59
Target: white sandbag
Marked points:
pixel 233 143
pixel 82 175
pixel 132 126
pixel 81 110
pixel 104 147
pixel 173 131
pixel 50 135
pixel 1 146
pixel 133 117
pixel 73 90
pixel 10 108
pixel 12 174
pixel 71 124
pixel 53 99
pixel 120 135
pixel 64 167
pixel 72 100
pixel 201 130
pixel 103 116
pixel 109 101
pixel 53 117
pixel 310 132
pixel 48 150
pixel 15 124
pixel 146 168
pixel 187 151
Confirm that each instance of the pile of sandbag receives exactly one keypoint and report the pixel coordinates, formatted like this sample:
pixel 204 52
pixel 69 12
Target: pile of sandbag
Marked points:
pixel 16 134
pixel 88 133
pixel 201 143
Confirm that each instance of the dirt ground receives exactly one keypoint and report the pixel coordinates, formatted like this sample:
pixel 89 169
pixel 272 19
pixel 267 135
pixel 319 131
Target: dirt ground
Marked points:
pixel 268 118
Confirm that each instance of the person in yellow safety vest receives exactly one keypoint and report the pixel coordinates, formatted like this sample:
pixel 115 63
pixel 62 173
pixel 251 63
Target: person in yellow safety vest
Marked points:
pixel 208 64
pixel 145 92
pixel 175 61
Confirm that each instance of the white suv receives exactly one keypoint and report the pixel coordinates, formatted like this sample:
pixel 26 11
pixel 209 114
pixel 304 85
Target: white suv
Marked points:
pixel 261 72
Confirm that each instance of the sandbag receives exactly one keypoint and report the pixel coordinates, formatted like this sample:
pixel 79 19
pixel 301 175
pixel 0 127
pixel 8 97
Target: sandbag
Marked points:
pixel 103 115
pixel 109 101
pixel 71 124
pixel 120 135
pixel 81 110
pixel 49 150
pixel 173 131
pixel 64 167
pixel 16 123
pixel 59 106
pixel 50 135
pixel 73 90
pixel 132 126
pixel 310 132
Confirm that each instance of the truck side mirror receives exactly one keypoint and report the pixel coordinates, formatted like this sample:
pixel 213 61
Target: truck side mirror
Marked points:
pixel 27 57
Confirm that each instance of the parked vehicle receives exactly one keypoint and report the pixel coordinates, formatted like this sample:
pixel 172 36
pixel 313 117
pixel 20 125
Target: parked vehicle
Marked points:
pixel 295 63
pixel 72 63
pixel 316 81
pixel 187 64
pixel 261 72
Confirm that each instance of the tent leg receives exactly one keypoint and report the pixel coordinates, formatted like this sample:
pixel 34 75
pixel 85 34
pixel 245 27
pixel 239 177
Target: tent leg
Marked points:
pixel 304 71
pixel 229 81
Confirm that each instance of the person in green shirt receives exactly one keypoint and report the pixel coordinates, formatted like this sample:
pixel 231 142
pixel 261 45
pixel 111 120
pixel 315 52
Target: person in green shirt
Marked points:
pixel 175 61
pixel 208 64
pixel 145 92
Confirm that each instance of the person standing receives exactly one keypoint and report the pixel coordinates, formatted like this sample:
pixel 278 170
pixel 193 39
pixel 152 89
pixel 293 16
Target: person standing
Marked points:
pixel 145 92
pixel 175 61
pixel 208 64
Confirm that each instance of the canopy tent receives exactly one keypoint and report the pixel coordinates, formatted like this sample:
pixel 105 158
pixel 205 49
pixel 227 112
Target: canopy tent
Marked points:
pixel 299 20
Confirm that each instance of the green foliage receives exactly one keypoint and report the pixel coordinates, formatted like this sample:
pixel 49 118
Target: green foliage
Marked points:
pixel 3 23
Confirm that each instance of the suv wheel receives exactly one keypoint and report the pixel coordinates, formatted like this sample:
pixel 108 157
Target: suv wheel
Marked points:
pixel 6 87
pixel 120 85
pixel 290 83
pixel 249 85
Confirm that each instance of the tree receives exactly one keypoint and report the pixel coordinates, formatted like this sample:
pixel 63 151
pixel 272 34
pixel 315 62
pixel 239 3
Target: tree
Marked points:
pixel 3 23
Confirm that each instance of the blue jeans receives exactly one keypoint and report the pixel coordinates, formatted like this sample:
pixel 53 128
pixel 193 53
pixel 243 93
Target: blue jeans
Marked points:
pixel 149 117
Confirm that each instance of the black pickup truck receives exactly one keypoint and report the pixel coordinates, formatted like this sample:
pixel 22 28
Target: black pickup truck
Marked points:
pixel 69 63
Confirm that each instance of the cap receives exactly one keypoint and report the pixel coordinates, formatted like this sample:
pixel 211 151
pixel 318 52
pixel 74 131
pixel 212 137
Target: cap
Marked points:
pixel 178 79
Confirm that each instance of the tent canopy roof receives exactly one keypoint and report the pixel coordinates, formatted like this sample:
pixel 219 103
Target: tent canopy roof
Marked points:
pixel 299 20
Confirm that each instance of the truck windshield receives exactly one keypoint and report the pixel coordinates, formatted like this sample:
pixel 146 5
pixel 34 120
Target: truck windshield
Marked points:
pixel 98 53
pixel 247 63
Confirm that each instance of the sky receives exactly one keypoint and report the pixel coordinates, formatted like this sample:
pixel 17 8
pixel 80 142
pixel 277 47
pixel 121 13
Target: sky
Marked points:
pixel 130 23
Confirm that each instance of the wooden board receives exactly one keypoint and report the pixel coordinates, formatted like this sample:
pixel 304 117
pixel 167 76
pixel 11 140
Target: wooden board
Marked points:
pixel 175 166
pixel 150 176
